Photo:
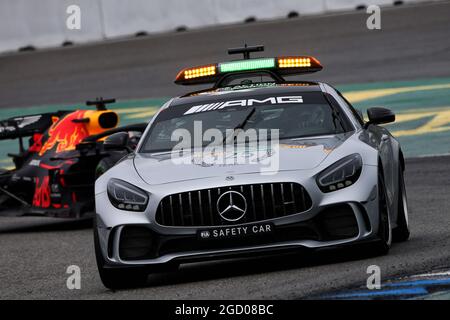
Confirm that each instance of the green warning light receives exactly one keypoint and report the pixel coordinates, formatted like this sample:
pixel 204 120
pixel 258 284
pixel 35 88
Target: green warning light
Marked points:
pixel 246 65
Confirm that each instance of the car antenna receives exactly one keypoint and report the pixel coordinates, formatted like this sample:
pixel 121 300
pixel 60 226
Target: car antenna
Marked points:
pixel 246 50
pixel 100 103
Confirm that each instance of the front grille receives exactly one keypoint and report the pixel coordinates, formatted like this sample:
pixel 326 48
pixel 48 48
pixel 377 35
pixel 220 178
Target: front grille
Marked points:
pixel 264 201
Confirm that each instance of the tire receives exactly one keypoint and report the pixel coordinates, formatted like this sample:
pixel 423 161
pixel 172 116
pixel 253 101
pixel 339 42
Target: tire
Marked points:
pixel 401 232
pixel 384 242
pixel 118 278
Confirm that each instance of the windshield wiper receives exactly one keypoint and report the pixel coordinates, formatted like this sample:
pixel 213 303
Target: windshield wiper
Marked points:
pixel 241 125
pixel 336 114
pixel 335 117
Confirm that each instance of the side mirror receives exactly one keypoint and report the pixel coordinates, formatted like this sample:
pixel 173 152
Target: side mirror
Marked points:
pixel 116 141
pixel 379 115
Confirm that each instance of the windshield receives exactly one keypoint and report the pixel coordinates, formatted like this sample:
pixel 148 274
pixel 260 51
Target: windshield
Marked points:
pixel 293 120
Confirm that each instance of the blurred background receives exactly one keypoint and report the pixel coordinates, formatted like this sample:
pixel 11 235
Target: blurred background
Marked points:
pixel 133 50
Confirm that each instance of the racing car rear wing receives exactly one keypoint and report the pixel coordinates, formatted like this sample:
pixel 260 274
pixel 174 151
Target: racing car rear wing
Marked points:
pixel 278 66
pixel 26 126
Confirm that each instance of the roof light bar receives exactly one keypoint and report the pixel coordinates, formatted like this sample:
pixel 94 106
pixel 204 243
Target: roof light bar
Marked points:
pixel 279 65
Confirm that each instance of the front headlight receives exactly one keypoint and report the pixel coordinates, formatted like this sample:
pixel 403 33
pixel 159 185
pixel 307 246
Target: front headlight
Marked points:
pixel 341 174
pixel 125 196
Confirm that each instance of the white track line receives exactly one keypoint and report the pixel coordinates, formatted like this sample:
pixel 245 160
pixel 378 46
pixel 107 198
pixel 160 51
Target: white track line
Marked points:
pixel 432 274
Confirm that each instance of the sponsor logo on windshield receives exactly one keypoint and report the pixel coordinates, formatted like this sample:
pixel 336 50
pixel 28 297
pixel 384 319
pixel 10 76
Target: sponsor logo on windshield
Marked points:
pixel 244 103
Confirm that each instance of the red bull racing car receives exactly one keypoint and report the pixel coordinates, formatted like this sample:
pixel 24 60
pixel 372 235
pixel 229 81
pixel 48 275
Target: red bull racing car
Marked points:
pixel 54 175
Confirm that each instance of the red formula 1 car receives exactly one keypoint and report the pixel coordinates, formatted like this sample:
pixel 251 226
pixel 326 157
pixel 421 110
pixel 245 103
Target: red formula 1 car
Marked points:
pixel 54 176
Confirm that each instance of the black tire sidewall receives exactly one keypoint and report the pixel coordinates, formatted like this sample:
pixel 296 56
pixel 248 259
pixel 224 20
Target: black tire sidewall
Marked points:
pixel 384 243
pixel 401 232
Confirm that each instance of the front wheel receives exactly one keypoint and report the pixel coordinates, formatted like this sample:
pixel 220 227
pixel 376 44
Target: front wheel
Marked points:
pixel 401 232
pixel 384 242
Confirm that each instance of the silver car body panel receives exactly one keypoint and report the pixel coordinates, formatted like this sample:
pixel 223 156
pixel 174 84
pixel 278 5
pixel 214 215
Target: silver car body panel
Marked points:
pixel 159 176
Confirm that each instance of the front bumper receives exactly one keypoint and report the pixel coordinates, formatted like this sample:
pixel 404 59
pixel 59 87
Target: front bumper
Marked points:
pixel 158 245
pixel 140 245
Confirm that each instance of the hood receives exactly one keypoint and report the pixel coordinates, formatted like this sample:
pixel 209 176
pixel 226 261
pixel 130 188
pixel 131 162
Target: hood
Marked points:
pixel 293 154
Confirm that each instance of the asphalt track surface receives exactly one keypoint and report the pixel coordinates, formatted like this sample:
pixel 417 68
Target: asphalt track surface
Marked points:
pixel 34 258
pixel 413 43
pixel 36 252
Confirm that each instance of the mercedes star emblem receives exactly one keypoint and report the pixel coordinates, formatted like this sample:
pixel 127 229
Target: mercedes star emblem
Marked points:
pixel 231 206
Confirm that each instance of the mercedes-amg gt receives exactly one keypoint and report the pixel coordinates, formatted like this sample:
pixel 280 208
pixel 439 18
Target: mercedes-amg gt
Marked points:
pixel 311 172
